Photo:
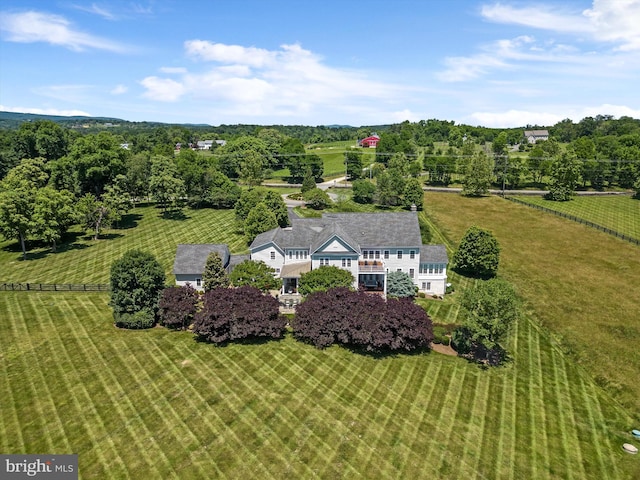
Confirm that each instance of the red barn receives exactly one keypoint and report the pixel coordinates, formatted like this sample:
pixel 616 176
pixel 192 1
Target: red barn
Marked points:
pixel 371 141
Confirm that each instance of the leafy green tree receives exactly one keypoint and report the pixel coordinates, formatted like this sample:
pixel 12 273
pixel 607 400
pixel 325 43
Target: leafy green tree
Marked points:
pixel 363 191
pixel 260 219
pixel 308 182
pixel 233 153
pixel 54 213
pixel 478 254
pixel 251 168
pixel 565 172
pixel 353 162
pixel 41 138
pixel 400 285
pixel 97 160
pixel 636 186
pixel 137 280
pixel 399 162
pixel 323 278
pixel 214 275
pixel 317 198
pixel 165 185
pixel 138 173
pixel 255 274
pixel 249 198
pixel 489 311
pixel 274 202
pixel 413 194
pixel 478 175
pixel 223 193
pixel 196 172
pixel 94 214
pixel 17 203
pixel 116 199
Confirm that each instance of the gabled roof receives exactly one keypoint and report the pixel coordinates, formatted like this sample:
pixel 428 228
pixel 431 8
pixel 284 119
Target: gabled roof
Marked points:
pixel 394 229
pixel 433 254
pixel 191 258
pixel 536 133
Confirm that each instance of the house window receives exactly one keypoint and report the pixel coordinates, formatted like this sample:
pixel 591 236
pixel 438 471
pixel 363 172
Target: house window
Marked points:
pixel 412 254
pixel 290 254
pixel 399 254
pixel 365 254
pixel 428 286
pixel 431 268
pixel 344 262
pixel 277 270
pixel 377 254
pixel 371 254
pixel 305 254
pixel 411 272
pixel 386 254
pixel 399 270
pixel 421 268
pixel 424 285
pixel 198 282
pixel 297 255
pixel 440 268
pixel 273 255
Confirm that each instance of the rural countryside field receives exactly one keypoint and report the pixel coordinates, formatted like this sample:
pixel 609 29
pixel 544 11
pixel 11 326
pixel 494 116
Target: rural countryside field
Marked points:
pixel 158 404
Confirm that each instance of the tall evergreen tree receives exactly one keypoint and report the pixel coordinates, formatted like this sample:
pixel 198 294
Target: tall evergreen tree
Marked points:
pixel 214 274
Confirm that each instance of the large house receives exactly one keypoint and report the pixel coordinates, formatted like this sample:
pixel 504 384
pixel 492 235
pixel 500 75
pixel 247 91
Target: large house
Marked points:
pixel 532 136
pixel 369 142
pixel 369 245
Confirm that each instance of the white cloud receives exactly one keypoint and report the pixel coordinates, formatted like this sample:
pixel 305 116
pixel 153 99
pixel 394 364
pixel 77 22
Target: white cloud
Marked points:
pixel 405 114
pixel 173 70
pixel 97 10
pixel 45 111
pixel 162 89
pixel 607 20
pixel 547 116
pixel 250 81
pixel 32 26
pixel 119 90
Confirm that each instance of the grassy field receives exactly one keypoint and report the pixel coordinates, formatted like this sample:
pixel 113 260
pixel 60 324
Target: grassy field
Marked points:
pixel 89 261
pixel 617 212
pixel 579 282
pixel 157 404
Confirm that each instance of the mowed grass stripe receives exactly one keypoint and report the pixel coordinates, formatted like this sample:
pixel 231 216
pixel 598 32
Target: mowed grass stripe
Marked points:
pixel 124 421
pixel 477 431
pixel 539 404
pixel 507 423
pixel 68 375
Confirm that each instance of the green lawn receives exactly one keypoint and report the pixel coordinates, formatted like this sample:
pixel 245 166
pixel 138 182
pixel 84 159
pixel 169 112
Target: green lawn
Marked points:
pixel 89 261
pixel 581 283
pixel 157 404
pixel 616 212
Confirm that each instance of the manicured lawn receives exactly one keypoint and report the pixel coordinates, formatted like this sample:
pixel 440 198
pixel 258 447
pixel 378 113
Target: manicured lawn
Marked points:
pixel 89 261
pixel 157 404
pixel 579 282
pixel 617 212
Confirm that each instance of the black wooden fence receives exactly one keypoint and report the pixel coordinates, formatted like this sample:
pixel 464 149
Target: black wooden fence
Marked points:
pixel 577 219
pixel 54 287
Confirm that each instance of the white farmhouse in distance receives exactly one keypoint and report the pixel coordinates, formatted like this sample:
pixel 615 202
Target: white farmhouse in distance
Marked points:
pixel 532 136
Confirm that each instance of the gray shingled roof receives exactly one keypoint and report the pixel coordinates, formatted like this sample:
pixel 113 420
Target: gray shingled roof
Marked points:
pixel 191 258
pixel 433 254
pixel 394 229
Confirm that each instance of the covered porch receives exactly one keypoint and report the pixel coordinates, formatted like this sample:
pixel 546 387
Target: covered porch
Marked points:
pixel 372 276
pixel 290 275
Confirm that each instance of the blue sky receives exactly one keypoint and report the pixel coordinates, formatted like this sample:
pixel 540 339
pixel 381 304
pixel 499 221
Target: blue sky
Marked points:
pixel 496 64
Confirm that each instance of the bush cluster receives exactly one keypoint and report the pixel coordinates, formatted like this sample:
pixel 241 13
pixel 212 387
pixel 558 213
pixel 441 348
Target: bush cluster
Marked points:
pixel 355 319
pixel 144 318
pixel 177 307
pixel 229 314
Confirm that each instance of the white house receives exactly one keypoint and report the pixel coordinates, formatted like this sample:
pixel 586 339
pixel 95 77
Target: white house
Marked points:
pixel 369 245
pixel 532 136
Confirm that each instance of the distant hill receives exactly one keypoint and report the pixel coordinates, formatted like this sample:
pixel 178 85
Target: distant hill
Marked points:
pixel 13 120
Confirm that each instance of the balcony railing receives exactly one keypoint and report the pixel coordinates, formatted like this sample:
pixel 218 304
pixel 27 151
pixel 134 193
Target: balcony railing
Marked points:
pixel 370 266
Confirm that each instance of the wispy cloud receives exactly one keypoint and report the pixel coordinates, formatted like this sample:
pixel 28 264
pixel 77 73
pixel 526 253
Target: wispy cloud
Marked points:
pixel 45 111
pixel 33 26
pixel 97 10
pixel 119 90
pixel 173 70
pixel 256 81
pixel 606 21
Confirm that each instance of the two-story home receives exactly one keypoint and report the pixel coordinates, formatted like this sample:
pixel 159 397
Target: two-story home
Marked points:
pixel 369 245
